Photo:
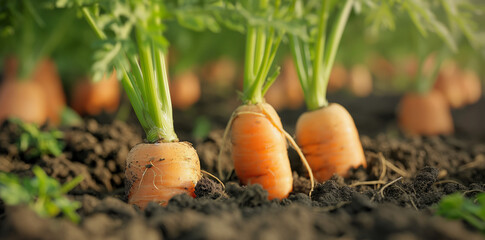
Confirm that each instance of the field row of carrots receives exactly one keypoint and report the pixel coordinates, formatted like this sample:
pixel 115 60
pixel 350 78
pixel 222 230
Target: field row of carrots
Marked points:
pixel 133 53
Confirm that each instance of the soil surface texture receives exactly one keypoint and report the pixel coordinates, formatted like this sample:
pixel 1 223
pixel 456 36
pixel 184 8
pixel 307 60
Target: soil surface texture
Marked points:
pixel 393 198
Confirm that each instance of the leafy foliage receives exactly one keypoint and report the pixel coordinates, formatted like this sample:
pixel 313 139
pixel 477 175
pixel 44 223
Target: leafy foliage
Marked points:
pixel 456 206
pixel 34 142
pixel 43 194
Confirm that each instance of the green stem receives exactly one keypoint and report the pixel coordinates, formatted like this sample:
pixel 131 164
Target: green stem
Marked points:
pixel 260 49
pixel 298 60
pixel 164 96
pixel 317 83
pixel 92 23
pixel 334 42
pixel 249 58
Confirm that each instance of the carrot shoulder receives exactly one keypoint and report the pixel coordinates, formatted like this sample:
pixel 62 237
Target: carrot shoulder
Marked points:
pixel 157 172
pixel 259 149
pixel 330 141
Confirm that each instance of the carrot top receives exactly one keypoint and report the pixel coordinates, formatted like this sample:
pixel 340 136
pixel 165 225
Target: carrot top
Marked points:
pixel 315 57
pixel 265 23
pixel 131 33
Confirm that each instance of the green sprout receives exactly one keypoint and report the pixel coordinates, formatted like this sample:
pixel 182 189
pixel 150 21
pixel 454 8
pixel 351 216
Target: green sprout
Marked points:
pixel 43 194
pixel 456 206
pixel 34 142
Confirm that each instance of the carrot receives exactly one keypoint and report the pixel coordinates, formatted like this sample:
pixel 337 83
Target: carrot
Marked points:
pixel 338 78
pixel 360 81
pixel 162 167
pixel 48 78
pixel 326 133
pixel 157 172
pixel 471 86
pixel 220 73
pixel 45 74
pixel 259 149
pixel 24 100
pixel 92 98
pixel 425 114
pixel 382 68
pixel 185 90
pixel 257 137
pixel 330 141
pixel 449 84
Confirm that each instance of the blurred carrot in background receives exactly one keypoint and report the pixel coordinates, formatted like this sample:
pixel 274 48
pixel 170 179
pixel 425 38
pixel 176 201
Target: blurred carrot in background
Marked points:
pixel 92 98
pixel 185 90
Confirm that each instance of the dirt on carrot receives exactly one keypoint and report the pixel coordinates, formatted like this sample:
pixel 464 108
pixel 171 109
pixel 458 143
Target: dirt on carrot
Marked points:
pixel 159 171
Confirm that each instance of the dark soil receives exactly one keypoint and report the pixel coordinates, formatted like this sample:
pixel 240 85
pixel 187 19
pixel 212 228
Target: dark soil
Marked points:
pixel 393 198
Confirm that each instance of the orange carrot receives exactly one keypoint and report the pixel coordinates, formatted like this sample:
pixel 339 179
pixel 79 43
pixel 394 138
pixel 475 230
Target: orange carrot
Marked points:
pixel 427 114
pixel 157 172
pixel 326 133
pixel 471 87
pixel 330 141
pixel 24 100
pixel 259 149
pixel 185 90
pixel 360 81
pixel 451 88
pixel 48 78
pixel 220 73
pixel 338 78
pixel 45 74
pixel 91 98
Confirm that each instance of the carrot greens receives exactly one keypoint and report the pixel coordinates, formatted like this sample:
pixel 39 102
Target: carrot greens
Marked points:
pixel 131 38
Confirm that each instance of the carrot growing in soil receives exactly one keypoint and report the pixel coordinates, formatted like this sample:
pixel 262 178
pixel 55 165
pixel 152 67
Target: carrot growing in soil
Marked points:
pixel 162 167
pixel 31 89
pixel 257 137
pixel 326 133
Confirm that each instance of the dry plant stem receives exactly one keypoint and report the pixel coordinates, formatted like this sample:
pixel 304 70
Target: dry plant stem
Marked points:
pixel 447 181
pixel 387 185
pixel 473 190
pixel 376 182
pixel 288 137
pixel 392 166
pixel 216 178
pixel 479 161
pixel 384 168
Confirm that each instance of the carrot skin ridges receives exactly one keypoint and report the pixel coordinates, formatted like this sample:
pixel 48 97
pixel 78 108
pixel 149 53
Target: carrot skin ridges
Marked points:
pixel 330 141
pixel 259 150
pixel 159 171
pixel 426 114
